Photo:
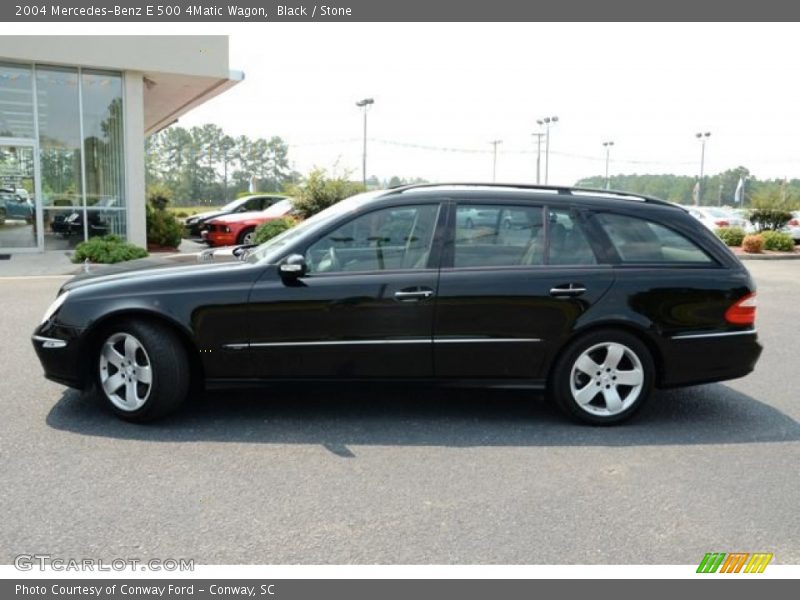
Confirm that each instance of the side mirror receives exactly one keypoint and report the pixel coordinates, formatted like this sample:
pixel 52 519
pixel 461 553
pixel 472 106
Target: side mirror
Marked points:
pixel 293 267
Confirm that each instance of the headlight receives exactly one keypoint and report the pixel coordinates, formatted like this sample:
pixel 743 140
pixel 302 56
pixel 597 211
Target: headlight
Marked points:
pixel 54 307
pixel 226 229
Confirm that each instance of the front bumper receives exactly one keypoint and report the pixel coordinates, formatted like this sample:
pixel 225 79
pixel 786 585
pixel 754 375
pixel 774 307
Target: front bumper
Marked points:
pixel 59 354
pixel 219 238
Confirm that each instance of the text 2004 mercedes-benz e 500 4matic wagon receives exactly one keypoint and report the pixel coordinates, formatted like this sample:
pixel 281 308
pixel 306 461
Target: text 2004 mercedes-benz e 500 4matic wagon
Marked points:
pixel 596 297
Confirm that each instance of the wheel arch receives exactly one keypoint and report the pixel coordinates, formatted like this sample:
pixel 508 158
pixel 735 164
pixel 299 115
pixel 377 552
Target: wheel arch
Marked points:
pixel 93 336
pixel 630 327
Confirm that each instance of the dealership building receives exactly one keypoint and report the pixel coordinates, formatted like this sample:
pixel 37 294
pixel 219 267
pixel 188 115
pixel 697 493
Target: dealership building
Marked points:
pixel 74 114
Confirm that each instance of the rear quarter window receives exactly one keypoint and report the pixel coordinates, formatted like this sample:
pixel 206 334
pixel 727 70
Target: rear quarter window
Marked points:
pixel 638 240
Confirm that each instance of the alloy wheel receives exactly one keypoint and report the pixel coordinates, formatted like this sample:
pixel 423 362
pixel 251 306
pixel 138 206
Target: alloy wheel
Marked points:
pixel 606 379
pixel 126 375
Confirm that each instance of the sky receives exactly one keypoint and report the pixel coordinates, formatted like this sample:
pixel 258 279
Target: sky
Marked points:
pixel 647 87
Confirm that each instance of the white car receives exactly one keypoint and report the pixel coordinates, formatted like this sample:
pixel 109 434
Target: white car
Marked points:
pixel 715 217
pixel 793 226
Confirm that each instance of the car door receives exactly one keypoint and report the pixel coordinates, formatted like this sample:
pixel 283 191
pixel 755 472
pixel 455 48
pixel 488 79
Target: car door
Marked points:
pixel 511 290
pixel 365 307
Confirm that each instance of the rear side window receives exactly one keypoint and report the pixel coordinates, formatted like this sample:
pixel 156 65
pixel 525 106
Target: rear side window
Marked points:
pixel 640 241
pixel 568 244
pixel 495 235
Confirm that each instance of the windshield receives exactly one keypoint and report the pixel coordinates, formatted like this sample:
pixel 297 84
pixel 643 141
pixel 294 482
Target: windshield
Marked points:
pixel 269 251
pixel 234 204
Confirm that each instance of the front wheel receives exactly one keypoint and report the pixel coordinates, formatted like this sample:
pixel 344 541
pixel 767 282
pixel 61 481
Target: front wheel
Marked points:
pixel 603 378
pixel 248 236
pixel 142 371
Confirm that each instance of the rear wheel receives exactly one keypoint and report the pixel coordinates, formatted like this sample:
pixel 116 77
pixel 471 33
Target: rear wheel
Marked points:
pixel 603 377
pixel 142 371
pixel 248 236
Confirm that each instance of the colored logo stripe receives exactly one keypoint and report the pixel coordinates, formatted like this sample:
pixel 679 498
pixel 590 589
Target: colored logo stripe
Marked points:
pixel 733 562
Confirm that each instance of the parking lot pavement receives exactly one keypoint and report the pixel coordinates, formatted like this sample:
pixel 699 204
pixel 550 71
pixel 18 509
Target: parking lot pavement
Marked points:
pixel 377 475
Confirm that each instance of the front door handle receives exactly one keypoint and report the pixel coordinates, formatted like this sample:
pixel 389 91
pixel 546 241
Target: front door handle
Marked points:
pixel 569 290
pixel 413 294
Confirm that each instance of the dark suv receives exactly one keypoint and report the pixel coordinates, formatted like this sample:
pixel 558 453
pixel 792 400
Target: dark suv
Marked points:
pixel 594 296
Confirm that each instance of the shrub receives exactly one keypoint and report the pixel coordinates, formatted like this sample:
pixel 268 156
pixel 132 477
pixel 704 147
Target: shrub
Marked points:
pixel 319 191
pixel 732 236
pixel 753 243
pixel 107 249
pixel 267 231
pixel 181 214
pixel 159 196
pixel 776 240
pixel 163 229
pixel 769 218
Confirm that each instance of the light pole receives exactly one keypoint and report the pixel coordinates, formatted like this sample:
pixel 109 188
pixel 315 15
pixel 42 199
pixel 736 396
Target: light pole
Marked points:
pixel 546 121
pixel 494 143
pixel 365 104
pixel 538 136
pixel 607 145
pixel 703 137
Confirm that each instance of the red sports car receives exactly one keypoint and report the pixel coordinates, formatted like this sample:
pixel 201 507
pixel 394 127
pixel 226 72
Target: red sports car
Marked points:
pixel 240 228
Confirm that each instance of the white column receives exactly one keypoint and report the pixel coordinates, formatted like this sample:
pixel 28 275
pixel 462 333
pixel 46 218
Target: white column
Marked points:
pixel 133 105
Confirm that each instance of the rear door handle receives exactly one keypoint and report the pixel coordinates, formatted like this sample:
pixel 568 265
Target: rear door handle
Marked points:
pixel 570 290
pixel 413 294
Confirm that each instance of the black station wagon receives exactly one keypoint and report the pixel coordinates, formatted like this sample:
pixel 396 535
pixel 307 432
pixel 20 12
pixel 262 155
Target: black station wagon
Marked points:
pixel 595 297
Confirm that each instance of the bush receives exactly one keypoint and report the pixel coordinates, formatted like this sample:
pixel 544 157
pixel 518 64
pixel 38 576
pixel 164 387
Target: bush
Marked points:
pixel 776 240
pixel 163 229
pixel 107 249
pixel 732 236
pixel 753 243
pixel 769 218
pixel 159 196
pixel 267 231
pixel 181 214
pixel 319 191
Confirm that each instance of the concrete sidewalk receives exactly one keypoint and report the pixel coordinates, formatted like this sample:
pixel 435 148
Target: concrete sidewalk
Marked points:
pixel 38 264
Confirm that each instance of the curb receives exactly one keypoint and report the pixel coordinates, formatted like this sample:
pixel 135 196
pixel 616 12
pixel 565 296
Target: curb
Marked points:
pixel 795 256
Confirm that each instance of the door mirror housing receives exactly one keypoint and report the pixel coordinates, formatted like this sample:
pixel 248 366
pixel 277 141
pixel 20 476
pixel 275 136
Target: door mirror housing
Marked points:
pixel 293 267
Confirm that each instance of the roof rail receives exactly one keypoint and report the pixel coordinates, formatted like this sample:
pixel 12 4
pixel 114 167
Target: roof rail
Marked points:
pixel 559 189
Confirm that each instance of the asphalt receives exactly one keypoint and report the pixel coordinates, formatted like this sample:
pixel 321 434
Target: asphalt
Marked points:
pixel 380 475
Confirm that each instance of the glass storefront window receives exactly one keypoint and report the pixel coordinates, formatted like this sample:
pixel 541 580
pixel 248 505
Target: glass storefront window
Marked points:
pixel 78 114
pixel 16 101
pixel 102 138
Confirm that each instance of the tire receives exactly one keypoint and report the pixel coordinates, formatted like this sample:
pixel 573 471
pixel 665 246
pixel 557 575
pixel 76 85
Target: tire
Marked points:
pixel 246 236
pixel 119 362
pixel 596 363
pixel 2 216
pixel 469 224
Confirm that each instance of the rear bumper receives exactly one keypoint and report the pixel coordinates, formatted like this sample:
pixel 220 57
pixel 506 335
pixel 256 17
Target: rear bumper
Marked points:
pixel 705 358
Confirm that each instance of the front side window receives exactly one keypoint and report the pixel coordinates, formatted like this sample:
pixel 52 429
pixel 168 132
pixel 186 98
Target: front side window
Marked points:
pixel 489 235
pixel 386 239
pixel 641 241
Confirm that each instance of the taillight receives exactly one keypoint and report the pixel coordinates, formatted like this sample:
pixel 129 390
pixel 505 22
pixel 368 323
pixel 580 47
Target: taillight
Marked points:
pixel 794 222
pixel 743 312
pixel 721 223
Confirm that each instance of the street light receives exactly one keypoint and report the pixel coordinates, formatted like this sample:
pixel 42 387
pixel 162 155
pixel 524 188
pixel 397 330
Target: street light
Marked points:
pixel 703 137
pixel 607 146
pixel 365 104
pixel 545 122
pixel 538 136
pixel 494 159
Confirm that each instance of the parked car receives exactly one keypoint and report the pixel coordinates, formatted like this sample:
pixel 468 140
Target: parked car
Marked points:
pixel 714 217
pixel 793 226
pixel 196 223
pixel 604 298
pixel 14 204
pixel 69 224
pixel 240 228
